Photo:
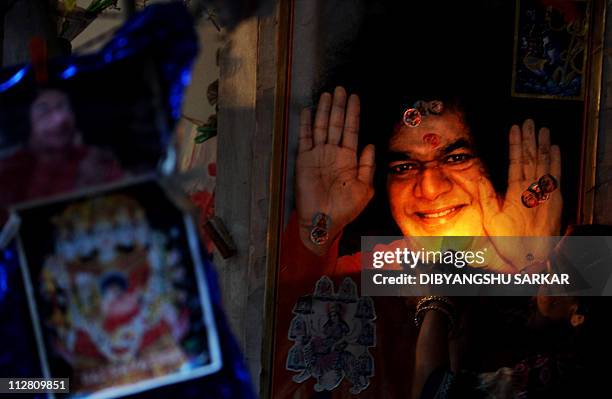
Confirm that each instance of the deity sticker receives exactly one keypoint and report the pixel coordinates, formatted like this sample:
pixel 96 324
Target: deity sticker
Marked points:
pixel 413 116
pixel 332 333
pixel 539 192
pixel 117 291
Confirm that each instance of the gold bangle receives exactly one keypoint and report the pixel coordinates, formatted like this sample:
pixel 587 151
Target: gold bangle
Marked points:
pixel 420 315
pixel 435 298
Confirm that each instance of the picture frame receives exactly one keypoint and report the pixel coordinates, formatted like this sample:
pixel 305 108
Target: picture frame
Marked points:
pixel 299 78
pixel 117 292
pixel 551 43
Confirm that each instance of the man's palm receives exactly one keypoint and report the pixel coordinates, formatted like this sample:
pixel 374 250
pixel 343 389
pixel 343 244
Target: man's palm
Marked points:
pixel 511 218
pixel 330 177
pixel 327 181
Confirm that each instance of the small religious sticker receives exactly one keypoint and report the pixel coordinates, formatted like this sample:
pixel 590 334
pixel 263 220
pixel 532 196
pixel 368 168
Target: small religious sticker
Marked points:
pixel 332 331
pixel 117 292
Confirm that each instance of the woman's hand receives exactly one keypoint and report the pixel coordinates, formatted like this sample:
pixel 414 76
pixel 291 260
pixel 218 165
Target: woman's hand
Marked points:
pixel 329 177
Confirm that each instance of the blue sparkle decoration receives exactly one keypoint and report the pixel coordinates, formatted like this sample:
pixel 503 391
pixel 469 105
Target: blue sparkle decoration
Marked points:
pixel 69 72
pixel 13 80
pixel 162 33
pixel 3 282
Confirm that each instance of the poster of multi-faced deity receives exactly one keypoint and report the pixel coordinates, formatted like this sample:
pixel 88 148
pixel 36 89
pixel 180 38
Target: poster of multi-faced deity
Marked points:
pixel 117 290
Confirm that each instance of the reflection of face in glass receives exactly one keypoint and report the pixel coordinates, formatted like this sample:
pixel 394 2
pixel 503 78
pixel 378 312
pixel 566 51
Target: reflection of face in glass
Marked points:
pixel 433 190
pixel 52 122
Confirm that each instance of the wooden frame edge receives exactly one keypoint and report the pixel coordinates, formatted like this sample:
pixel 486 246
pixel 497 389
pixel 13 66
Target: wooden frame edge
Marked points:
pixel 284 44
pixel 592 104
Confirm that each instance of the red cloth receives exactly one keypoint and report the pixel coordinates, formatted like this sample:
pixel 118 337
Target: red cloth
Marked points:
pixel 23 176
pixel 395 332
pixel 205 201
pixel 84 346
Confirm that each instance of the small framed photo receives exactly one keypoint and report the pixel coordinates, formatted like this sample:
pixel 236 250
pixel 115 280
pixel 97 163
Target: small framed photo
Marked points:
pixel 550 49
pixel 117 290
pixel 75 132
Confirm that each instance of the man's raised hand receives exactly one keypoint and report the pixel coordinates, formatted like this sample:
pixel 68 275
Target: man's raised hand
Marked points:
pixel 528 162
pixel 330 178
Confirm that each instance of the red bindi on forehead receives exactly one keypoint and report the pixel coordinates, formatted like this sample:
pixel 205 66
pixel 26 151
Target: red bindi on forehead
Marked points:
pixel 432 139
pixel 433 134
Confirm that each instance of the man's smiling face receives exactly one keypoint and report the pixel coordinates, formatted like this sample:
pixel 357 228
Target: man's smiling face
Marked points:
pixel 432 178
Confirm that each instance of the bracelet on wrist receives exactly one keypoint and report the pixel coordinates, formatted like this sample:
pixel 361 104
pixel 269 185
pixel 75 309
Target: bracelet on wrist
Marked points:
pixel 435 298
pixel 421 312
